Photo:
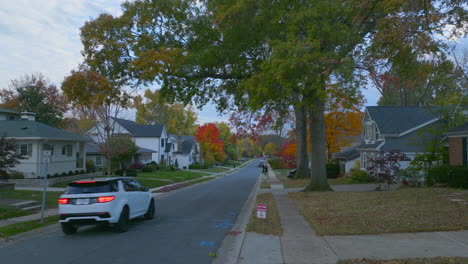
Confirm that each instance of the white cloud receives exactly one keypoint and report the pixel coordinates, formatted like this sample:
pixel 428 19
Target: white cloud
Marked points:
pixel 43 36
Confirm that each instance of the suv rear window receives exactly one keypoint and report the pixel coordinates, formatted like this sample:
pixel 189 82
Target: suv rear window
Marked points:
pixel 91 187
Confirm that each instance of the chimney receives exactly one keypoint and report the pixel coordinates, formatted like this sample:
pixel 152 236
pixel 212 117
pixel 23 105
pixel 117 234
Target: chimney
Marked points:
pixel 28 116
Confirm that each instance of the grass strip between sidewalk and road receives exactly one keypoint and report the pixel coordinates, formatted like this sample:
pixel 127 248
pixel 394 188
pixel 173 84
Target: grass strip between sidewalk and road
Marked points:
pixel 182 185
pixel 271 225
pixel 10 212
pixel 399 211
pixel 14 229
pixel 437 260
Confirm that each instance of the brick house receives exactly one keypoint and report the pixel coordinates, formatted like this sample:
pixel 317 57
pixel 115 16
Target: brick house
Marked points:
pixel 458 145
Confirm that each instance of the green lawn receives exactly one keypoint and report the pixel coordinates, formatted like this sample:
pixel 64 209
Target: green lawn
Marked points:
pixel 51 197
pixel 150 183
pixel 398 211
pixel 182 185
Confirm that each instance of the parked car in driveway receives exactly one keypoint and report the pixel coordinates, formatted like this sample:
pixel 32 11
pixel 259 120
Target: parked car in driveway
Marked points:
pixel 114 201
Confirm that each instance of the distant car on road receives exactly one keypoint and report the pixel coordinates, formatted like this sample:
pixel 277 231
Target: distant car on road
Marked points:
pixel 112 201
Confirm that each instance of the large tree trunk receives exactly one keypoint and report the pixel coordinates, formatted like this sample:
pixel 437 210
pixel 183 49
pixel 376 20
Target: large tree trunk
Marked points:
pixel 301 139
pixel 318 178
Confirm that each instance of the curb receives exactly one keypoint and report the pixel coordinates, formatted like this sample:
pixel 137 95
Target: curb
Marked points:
pixel 230 249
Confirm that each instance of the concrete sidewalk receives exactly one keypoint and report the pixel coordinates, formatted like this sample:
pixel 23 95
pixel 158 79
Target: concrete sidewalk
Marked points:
pixel 299 243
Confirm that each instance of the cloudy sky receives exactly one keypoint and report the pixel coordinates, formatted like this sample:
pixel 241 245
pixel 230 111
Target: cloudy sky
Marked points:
pixel 43 36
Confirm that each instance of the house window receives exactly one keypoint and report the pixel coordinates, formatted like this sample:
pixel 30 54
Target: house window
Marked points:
pixel 67 150
pixel 162 142
pixel 24 149
pixel 98 160
pixel 49 147
pixel 162 157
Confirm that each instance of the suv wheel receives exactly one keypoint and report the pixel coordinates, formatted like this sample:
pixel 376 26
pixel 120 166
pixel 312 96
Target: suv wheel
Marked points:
pixel 123 223
pixel 150 212
pixel 69 228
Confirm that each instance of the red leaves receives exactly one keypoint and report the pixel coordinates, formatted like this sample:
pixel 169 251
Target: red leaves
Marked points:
pixel 208 136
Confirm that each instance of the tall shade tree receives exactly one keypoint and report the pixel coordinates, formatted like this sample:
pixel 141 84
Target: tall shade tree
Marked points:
pixel 256 53
pixel 88 89
pixel 343 119
pixel 151 109
pixel 211 145
pixel 229 140
pixel 34 93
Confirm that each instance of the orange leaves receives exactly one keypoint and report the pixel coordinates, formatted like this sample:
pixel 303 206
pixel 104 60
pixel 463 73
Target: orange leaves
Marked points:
pixel 208 136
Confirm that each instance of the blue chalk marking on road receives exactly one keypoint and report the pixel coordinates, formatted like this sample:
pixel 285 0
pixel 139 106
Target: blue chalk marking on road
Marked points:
pixel 232 213
pixel 204 243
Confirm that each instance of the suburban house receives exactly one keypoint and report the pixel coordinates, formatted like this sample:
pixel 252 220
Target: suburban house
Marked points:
pixel 186 152
pixel 458 145
pixel 154 143
pixel 348 158
pixel 151 139
pixel 34 140
pixel 93 153
pixel 402 128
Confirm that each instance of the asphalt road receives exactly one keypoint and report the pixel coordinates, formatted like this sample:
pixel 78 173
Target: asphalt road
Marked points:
pixel 188 228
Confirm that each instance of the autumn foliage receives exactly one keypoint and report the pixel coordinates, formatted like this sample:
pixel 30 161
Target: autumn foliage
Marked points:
pixel 212 147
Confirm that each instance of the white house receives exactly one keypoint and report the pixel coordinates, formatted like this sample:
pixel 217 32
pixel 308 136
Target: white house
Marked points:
pixel 186 154
pixel 151 138
pixel 33 138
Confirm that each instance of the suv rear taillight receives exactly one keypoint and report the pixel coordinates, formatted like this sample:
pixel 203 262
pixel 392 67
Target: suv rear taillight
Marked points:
pixel 63 200
pixel 105 199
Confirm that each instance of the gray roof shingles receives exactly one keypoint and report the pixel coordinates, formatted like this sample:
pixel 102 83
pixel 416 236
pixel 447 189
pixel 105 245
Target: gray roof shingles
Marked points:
pixel 461 129
pixel 34 129
pixel 94 148
pixel 398 119
pixel 6 110
pixel 138 130
pixel 349 153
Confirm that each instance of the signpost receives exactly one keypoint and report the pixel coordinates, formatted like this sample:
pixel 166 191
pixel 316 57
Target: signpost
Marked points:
pixel 261 210
pixel 46 154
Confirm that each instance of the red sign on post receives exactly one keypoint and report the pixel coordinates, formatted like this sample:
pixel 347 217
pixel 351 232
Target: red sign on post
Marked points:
pixel 261 210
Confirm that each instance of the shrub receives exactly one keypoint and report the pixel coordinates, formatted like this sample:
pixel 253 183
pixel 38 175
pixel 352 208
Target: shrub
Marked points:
pixel 70 173
pixel 147 168
pixel 137 166
pixel 359 176
pixel 333 171
pixel 275 163
pixel 16 175
pixel 64 174
pixel 90 166
pixel 131 172
pixel 119 172
pixel 198 166
pixel 458 177
pixel 172 168
pixel 439 174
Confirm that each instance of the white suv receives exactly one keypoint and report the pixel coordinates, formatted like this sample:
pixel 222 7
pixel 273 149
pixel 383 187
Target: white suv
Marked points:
pixel 111 201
